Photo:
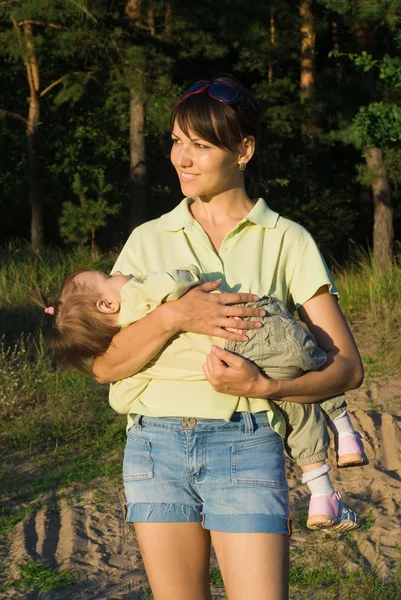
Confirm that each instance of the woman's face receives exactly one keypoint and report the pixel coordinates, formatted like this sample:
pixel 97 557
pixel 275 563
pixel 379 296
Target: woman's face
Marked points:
pixel 203 169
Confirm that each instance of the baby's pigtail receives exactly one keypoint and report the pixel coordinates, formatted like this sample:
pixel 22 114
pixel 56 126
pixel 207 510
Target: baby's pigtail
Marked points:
pixel 39 298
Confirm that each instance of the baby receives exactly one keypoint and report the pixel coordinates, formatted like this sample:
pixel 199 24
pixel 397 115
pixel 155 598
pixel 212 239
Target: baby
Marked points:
pixel 91 307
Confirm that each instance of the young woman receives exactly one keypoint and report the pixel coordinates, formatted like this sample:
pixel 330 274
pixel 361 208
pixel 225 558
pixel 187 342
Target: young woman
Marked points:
pixel 204 459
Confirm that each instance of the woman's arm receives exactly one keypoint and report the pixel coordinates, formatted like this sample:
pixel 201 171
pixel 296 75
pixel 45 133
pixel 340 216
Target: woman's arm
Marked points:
pixel 198 311
pixel 343 370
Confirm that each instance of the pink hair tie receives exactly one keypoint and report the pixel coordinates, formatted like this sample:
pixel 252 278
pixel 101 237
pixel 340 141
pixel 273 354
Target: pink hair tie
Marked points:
pixel 49 310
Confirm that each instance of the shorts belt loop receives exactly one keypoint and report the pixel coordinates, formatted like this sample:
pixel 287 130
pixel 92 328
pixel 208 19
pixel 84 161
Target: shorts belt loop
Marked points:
pixel 137 422
pixel 248 422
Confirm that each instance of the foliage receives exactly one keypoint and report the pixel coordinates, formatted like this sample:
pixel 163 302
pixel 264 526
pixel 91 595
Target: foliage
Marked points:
pixel 79 223
pixel 379 123
pixel 92 56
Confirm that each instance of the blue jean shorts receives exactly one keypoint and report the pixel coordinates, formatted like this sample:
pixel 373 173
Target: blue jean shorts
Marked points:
pixel 227 475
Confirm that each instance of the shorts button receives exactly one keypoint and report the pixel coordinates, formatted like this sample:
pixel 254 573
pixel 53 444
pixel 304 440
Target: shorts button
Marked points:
pixel 188 422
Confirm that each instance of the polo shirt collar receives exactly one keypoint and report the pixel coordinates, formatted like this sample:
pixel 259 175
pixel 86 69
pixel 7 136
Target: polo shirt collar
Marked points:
pixel 262 215
pixel 180 216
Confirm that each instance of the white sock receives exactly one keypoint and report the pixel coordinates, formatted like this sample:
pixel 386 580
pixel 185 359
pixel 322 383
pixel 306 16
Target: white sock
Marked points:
pixel 318 481
pixel 342 425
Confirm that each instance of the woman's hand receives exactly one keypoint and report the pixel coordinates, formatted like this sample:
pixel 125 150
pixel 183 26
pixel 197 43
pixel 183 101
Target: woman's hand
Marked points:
pixel 231 374
pixel 234 375
pixel 200 311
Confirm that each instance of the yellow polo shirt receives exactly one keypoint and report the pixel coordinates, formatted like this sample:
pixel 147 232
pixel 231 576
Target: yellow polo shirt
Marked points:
pixel 264 254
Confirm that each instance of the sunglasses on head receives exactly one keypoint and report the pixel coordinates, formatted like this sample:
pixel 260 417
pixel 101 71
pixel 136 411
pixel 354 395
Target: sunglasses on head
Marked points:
pixel 223 92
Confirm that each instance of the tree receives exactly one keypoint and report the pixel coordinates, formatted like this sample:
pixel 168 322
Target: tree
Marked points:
pixel 30 28
pixel 307 66
pixel 367 21
pixel 143 74
pixel 80 222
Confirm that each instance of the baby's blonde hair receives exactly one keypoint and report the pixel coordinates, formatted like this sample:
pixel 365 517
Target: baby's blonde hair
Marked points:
pixel 77 332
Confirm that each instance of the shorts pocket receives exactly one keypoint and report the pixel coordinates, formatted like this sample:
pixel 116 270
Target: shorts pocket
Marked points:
pixel 259 462
pixel 138 463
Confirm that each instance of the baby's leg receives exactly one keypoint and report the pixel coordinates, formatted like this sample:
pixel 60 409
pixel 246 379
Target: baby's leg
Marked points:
pixel 348 442
pixel 306 443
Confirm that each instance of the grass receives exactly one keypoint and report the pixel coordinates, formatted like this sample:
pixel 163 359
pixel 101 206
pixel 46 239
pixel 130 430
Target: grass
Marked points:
pixel 215 576
pixel 371 300
pixel 10 518
pixel 39 575
pixel 146 593
pixel 57 421
pixel 58 428
pixel 332 568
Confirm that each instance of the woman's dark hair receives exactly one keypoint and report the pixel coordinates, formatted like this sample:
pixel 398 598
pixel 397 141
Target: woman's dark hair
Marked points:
pixel 223 125
pixel 75 331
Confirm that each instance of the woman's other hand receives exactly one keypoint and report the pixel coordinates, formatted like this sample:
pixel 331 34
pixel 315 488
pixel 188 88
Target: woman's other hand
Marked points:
pixel 200 311
pixel 231 374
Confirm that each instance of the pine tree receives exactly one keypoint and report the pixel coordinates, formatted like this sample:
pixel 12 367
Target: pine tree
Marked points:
pixel 370 22
pixel 35 34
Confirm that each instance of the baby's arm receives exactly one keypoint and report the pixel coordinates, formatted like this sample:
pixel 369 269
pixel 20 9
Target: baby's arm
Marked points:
pixel 141 295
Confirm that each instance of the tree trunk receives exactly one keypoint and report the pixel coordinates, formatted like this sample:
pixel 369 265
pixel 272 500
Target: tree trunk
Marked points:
pixel 151 19
pixel 33 122
pixel 138 174
pixel 383 233
pixel 272 32
pixel 168 22
pixel 307 74
pixel 93 243
pixel 383 211
pixel 138 211
pixel 35 195
pixel 307 77
pixel 335 36
pixel 133 10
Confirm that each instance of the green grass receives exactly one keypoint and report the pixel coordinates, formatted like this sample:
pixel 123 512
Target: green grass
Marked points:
pixel 39 575
pixel 9 518
pixel 368 290
pixel 215 576
pixel 56 421
pixel 332 568
pixel 367 521
pixel 146 593
pixel 371 300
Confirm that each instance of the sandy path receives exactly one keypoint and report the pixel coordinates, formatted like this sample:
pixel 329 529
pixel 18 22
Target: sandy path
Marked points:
pixel 373 491
pixel 85 532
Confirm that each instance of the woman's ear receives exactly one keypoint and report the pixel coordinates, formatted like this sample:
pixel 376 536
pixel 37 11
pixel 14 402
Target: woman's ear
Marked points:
pixel 108 307
pixel 247 149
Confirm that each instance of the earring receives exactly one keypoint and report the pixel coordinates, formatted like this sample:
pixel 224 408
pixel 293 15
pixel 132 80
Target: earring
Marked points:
pixel 242 166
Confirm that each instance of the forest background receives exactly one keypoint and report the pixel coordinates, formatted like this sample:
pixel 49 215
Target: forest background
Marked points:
pixel 87 88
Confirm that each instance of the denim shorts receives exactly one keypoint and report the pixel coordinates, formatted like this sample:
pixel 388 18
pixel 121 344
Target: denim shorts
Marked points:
pixel 227 475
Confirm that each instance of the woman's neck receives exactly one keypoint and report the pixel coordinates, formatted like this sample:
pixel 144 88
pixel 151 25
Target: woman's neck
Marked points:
pixel 232 206
pixel 220 214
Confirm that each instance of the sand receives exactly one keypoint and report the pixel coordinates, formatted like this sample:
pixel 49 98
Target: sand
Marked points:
pixel 84 530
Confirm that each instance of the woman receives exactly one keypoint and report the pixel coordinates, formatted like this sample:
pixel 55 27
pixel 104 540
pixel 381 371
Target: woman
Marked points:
pixel 204 459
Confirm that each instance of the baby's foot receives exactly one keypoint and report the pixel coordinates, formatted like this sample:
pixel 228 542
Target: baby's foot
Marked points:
pixel 350 451
pixel 329 513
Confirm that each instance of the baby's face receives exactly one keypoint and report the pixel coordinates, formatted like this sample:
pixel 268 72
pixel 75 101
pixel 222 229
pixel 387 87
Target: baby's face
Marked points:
pixel 109 286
